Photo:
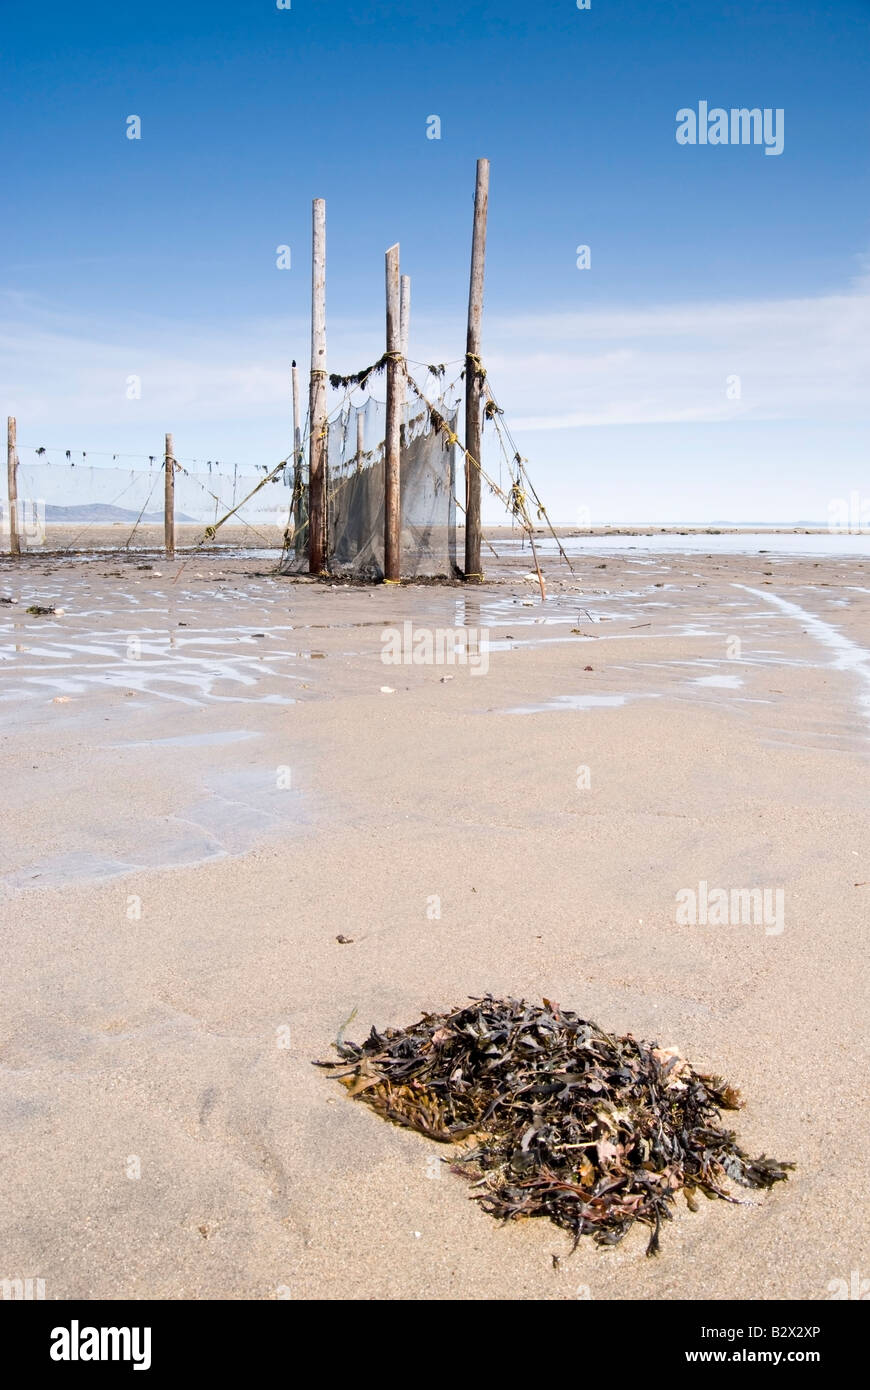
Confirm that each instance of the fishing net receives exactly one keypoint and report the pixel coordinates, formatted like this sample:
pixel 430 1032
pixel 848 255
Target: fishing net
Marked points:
pixel 355 494
pixel 57 490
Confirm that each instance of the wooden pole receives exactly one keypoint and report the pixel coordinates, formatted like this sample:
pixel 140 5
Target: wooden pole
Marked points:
pixel 404 332
pixel 473 378
pixel 297 456
pixel 405 313
pixel 12 481
pixel 392 432
pixel 317 393
pixel 360 438
pixel 169 498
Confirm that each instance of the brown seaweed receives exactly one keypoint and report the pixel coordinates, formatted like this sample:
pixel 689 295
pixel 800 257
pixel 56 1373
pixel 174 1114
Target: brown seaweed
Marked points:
pixel 557 1118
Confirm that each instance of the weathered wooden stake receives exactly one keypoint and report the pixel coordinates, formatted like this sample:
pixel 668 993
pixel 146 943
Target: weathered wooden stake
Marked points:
pixel 473 379
pixel 169 498
pixel 12 481
pixel 317 393
pixel 405 314
pixel 360 438
pixel 393 426
pixel 297 457
pixel 404 333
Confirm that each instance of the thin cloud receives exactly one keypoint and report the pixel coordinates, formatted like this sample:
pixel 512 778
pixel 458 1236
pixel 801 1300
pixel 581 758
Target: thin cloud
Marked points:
pixel 764 360
pixel 760 360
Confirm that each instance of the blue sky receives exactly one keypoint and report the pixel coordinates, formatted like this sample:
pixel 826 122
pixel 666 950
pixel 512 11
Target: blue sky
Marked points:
pixel 157 256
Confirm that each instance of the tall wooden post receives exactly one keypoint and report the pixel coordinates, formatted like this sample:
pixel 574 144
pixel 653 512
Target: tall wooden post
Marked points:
pixel 405 313
pixel 393 426
pixel 360 438
pixel 472 374
pixel 297 456
pixel 317 393
pixel 169 498
pixel 404 332
pixel 12 481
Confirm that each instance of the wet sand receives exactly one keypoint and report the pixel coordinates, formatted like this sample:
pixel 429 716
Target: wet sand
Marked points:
pixel 205 786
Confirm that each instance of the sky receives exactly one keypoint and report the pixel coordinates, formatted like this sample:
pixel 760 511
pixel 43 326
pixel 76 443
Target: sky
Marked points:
pixel 711 363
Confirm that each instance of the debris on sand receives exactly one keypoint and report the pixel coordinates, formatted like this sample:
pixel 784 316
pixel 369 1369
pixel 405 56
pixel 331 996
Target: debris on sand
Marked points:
pixel 40 611
pixel 556 1117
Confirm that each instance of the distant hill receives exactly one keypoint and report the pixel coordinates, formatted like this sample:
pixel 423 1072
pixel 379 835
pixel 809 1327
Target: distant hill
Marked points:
pixel 100 511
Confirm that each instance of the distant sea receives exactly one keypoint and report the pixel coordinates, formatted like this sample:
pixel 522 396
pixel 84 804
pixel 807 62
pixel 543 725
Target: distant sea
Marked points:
pixel 826 543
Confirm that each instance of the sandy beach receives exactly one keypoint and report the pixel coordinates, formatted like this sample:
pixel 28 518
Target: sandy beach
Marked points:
pixel 206 785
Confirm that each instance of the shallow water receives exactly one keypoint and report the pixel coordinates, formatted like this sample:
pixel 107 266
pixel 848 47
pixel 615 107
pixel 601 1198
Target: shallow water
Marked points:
pixel 674 637
pixel 576 702
pixel 850 656
pixel 211 740
pixel 723 682
pixel 234 811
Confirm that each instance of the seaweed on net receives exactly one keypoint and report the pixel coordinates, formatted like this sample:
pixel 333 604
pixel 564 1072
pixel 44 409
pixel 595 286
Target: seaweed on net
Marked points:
pixel 554 1117
pixel 359 379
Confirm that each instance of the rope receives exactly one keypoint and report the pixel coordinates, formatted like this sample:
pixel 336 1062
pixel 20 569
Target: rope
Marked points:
pixel 91 524
pixel 453 439
pixel 98 454
pixel 494 411
pixel 215 498
pixel 486 542
pixel 515 500
pixel 142 513
pixel 212 530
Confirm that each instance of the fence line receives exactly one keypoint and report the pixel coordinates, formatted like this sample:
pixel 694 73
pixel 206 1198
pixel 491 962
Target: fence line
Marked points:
pixel 64 496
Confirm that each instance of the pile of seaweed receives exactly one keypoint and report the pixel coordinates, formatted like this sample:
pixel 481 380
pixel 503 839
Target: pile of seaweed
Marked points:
pixel 555 1117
